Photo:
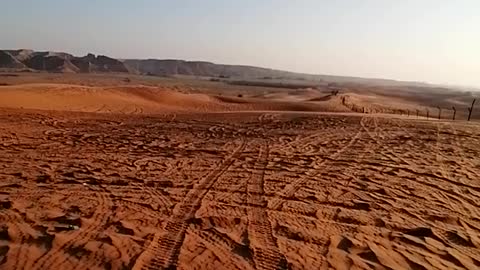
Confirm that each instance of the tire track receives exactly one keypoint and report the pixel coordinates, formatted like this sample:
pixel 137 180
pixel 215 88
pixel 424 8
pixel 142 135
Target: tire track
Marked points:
pixel 158 198
pixel 459 148
pixel 141 195
pixel 438 155
pixel 421 179
pixel 323 137
pixel 221 210
pixel 445 161
pixel 16 253
pixel 136 206
pixel 266 254
pixel 465 162
pixel 418 181
pixel 217 243
pixel 414 169
pixel 290 189
pixel 56 257
pixel 354 166
pixel 378 133
pixel 163 251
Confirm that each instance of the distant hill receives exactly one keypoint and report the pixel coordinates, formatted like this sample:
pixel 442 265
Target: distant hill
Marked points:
pixel 59 62
pixel 9 61
pixel 197 68
pixel 29 60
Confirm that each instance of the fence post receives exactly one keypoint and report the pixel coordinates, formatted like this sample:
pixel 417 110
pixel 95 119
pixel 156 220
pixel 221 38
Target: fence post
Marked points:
pixel 471 109
pixel 439 113
pixel 454 113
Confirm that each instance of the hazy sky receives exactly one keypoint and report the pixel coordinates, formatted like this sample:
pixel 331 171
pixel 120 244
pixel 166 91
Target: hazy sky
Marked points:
pixel 424 40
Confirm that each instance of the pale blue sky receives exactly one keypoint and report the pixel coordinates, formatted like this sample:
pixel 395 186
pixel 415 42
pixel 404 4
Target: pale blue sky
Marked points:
pixel 424 40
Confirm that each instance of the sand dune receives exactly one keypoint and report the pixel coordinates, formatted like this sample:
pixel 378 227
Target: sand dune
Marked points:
pixel 143 99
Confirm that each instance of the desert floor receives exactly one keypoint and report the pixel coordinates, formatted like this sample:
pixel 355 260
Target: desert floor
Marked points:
pixel 237 191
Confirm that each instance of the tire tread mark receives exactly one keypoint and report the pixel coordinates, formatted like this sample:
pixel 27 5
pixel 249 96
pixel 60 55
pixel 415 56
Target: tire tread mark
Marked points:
pixel 290 189
pixel 56 257
pixel 266 254
pixel 14 257
pixel 378 133
pixel 217 243
pixel 163 251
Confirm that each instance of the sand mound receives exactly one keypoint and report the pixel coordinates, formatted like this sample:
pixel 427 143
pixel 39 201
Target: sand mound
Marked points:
pixel 141 99
pixel 98 99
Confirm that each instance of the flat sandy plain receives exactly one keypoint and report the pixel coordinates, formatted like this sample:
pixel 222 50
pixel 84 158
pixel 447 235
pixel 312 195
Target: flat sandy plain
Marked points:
pixel 237 190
